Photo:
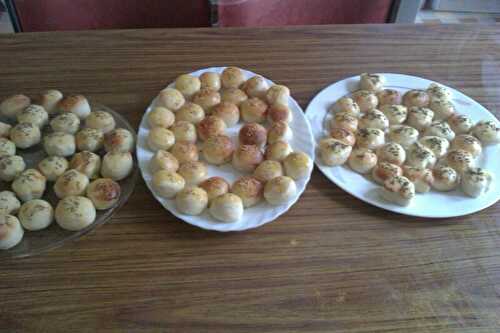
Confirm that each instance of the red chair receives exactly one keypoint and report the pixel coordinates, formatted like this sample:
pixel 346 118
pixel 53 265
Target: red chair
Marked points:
pixel 301 12
pixel 46 15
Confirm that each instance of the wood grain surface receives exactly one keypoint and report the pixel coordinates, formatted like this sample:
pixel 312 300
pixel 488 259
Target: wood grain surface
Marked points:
pixel 331 264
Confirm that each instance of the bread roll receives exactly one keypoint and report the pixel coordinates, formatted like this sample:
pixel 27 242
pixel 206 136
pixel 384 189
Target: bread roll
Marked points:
pixel 163 160
pixel 460 160
pixel 389 97
pixel 193 172
pixel 256 86
pixel 49 100
pixel 333 152
pixel 374 119
pixel 279 131
pixel 233 95
pixel 104 193
pixel 419 117
pixel 402 134
pixel 59 144
pixel 161 117
pixel 476 181
pixel 13 105
pixel 187 84
pixel 249 189
pixel 278 151
pixel 422 179
pixel 396 114
pixel 385 170
pixel 232 77
pixel 268 170
pixel 119 139
pixel 343 135
pixel 66 122
pixel 445 179
pixel 25 135
pixel 34 114
pixel 76 104
pixel 399 190
pixel 100 120
pixel 87 163
pixel 420 156
pixel 370 138
pixel 167 184
pixel 391 152
pixel 439 146
pixel 210 80
pixel 253 134
pixel 440 129
pixel 36 215
pixel 280 190
pixel 246 158
pixel 71 183
pixel 75 213
pixel 11 167
pixel 190 112
pixel 52 167
pixel 438 92
pixel 278 94
pixel 279 112
pixel 89 139
pixel 215 186
pixel 371 82
pixel 228 112
pixel 185 152
pixel 184 131
pixel 7 148
pixel 211 126
pixel 468 143
pixel 227 208
pixel 29 185
pixel 9 204
pixel 346 105
pixel 171 99
pixel 366 100
pixel 117 165
pixel 218 149
pixel 160 138
pixel 416 98
pixel 253 110
pixel 362 160
pixel 442 109
pixel 207 99
pixel 11 232
pixel 460 124
pixel 487 131
pixel 191 201
pixel 298 165
pixel 4 130
pixel 345 120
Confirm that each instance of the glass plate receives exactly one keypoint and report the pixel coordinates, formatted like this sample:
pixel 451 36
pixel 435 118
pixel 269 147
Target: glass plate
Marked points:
pixel 35 242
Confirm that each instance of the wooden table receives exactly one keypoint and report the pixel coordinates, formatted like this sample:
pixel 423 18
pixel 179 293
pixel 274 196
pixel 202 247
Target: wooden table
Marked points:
pixel 331 264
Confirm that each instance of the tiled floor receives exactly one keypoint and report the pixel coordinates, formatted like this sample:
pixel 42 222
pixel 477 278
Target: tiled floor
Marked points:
pixel 430 17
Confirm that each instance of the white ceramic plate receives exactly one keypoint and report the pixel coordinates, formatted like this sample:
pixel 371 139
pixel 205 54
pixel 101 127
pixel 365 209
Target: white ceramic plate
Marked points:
pixel 254 216
pixel 432 204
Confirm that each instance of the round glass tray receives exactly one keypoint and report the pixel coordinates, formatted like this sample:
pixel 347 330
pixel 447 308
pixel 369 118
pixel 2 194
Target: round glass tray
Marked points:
pixel 35 242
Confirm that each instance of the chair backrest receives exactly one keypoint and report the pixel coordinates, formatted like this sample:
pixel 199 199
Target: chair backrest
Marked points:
pixel 46 15
pixel 299 12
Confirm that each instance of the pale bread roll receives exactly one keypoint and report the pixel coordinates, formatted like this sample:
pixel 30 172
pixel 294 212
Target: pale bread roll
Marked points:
pixel 246 158
pixel 476 181
pixel 29 185
pixel 167 184
pixel 87 163
pixel 185 152
pixel 71 183
pixel 161 117
pixel 249 189
pixel 160 138
pixel 416 98
pixel 4 130
pixel 77 104
pixel 49 100
pixel 399 190
pixel 366 100
pixel 345 136
pixel 210 80
pixel 487 131
pixel 89 139
pixel 104 193
pixel 460 160
pixel 268 170
pixel 253 134
pixel 445 179
pixel 468 143
pixel 374 119
pixel 187 84
pixel 34 114
pixel 280 190
pixel 36 215
pixel 13 105
pixel 207 99
pixel 184 131
pixel 438 145
pixel 190 112
pixel 443 109
pixel 438 92
pixel 25 135
pixel 232 77
pixel 440 129
pixel 163 160
pixel 11 231
pixel 346 105
pixel 279 131
pixel 333 152
pixel 279 112
pixel 422 179
pixel 391 152
pixel 460 124
pixel 233 95
pixel 7 148
pixel 52 167
pixel 385 170
pixel 59 144
pixel 117 165
pixel 228 112
pixel 278 151
pixel 404 135
pixel 210 126
pixel 193 172
pixel 101 120
pixel 389 97
pixel 227 208
pixel 66 122
pixel 191 200
pixel 371 82
pixel 396 114
pixel 218 150
pixel 420 156
pixel 9 203
pixel 119 139
pixel 171 99
pixel 253 110
pixel 370 138
pixel 419 117
pixel 75 213
pixel 278 94
pixel 345 120
pixel 362 160
pixel 11 167
pixel 256 86
pixel 215 186
pixel 298 165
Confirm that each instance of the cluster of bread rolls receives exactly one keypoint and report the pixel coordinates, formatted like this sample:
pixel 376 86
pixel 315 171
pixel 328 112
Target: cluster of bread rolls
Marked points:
pixel 409 142
pixel 200 110
pixel 73 137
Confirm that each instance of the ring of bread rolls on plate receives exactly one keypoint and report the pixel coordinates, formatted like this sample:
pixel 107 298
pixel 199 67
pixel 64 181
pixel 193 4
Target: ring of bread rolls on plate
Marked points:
pixel 197 112
pixel 407 143
pixel 86 156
